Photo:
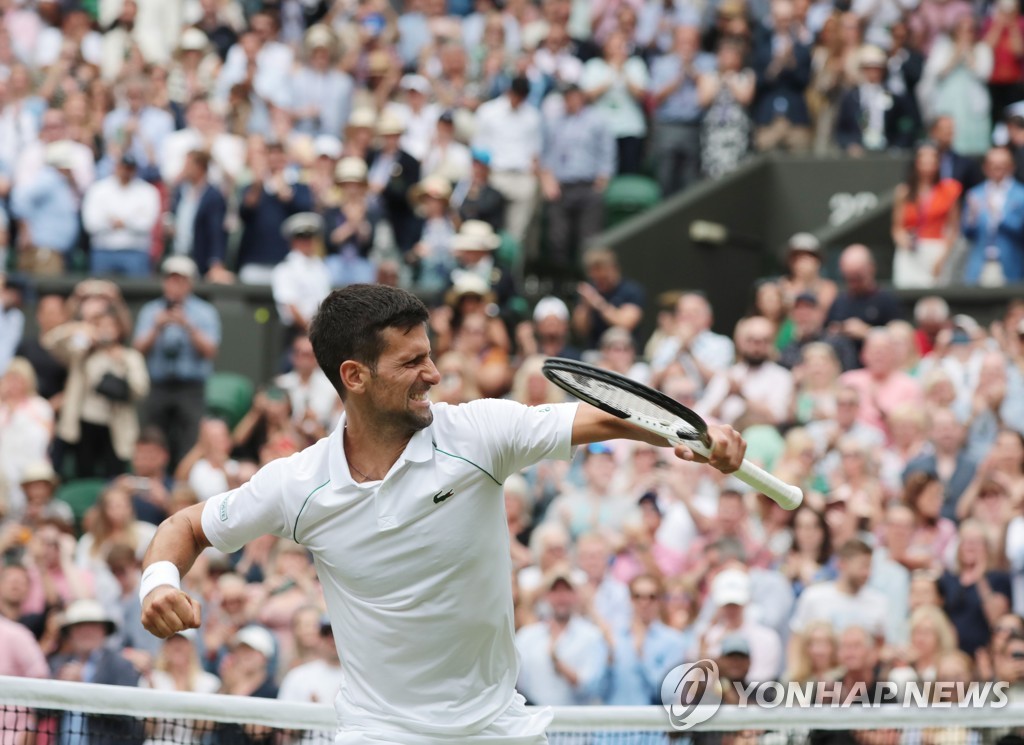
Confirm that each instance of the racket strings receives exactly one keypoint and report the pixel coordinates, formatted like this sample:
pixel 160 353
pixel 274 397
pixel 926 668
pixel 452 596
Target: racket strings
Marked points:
pixel 625 401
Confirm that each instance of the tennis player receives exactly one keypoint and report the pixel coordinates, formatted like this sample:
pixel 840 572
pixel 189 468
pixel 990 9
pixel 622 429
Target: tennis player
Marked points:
pixel 401 507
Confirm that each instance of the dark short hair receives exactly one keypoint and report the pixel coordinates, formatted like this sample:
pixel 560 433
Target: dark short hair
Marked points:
pixel 152 435
pixel 201 158
pixel 350 322
pixel 520 86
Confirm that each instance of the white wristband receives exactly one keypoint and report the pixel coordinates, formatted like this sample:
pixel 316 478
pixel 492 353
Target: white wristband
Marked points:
pixel 159 573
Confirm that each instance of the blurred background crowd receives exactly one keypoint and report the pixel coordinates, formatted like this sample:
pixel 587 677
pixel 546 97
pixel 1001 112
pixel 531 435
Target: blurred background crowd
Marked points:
pixel 305 145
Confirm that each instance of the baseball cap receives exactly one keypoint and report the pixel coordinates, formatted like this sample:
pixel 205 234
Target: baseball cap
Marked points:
pixel 806 297
pixel 416 83
pixel 303 225
pixel 551 306
pixel 730 587
pixel 598 448
pixel 481 156
pixel 650 498
pixel 258 638
pixel 180 265
pixel 806 242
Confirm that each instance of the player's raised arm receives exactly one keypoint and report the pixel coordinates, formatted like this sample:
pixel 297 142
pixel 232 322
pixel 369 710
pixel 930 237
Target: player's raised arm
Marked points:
pixel 593 425
pixel 166 609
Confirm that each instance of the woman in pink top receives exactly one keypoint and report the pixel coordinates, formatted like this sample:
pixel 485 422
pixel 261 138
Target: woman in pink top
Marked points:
pixel 933 534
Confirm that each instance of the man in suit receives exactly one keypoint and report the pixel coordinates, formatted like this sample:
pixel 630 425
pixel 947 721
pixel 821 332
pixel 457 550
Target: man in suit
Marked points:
pixel 84 631
pixel 782 61
pixel 951 163
pixel 392 172
pixel 197 219
pixel 871 116
pixel 994 224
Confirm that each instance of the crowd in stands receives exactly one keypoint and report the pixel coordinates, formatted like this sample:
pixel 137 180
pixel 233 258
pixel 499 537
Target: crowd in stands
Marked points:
pixel 906 432
pixel 132 130
pixel 305 146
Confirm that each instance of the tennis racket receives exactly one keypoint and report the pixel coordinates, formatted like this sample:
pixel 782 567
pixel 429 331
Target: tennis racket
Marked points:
pixel 654 411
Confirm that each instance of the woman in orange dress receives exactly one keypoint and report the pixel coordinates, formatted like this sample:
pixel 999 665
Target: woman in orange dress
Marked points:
pixel 925 222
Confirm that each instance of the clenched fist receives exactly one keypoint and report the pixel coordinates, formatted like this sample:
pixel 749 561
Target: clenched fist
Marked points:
pixel 168 610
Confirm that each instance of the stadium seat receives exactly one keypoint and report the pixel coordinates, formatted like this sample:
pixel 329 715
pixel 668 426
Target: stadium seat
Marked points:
pixel 80 495
pixel 229 396
pixel 629 195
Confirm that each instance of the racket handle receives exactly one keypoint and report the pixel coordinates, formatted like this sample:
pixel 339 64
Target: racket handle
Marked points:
pixel 787 496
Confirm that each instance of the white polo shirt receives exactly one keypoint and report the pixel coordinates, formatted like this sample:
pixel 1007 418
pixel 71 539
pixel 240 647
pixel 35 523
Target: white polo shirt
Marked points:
pixel 302 281
pixel 415 568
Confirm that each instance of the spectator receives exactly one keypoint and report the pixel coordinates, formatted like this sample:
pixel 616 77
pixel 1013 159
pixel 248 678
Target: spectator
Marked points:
pixel 301 281
pixel 321 93
pixel 204 131
pixel 26 426
pixel 726 95
pixel 809 324
pixel 548 335
pixel 863 303
pixel 119 214
pixel 871 116
pixel 138 128
pixel 475 198
pixel 755 387
pixel 730 596
pixel 316 681
pixel 563 660
pixel 179 334
pixel 39 483
pixel 615 83
pixel 208 467
pixel 847 601
pixel 420 116
pixel 350 226
pixel 597 505
pixel 245 671
pixel 84 628
pixel 197 219
pixel 312 396
pixel 734 667
pixel 675 77
pixel 605 598
pixel 79 158
pixel 149 482
pixel 47 210
pixel 272 198
pixel 925 223
pixel 578 161
pixel 607 299
pixel 510 130
pixel 954 82
pixel 393 172
pixel 22 656
pixel 12 320
pixel 948 460
pixel 446 156
pixel 782 62
pixel 882 387
pixel 994 224
pixel 953 164
pixel 973 595
pixel 815 657
pixel 694 347
pixel 431 255
pixel 807 560
pixel 644 653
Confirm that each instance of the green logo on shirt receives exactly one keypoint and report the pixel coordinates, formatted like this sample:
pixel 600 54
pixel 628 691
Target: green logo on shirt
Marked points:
pixel 442 495
pixel 224 510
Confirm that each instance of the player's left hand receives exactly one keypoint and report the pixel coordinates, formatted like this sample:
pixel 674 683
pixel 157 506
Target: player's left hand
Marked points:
pixel 727 449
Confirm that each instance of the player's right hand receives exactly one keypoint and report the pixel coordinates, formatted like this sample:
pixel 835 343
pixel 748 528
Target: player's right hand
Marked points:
pixel 167 610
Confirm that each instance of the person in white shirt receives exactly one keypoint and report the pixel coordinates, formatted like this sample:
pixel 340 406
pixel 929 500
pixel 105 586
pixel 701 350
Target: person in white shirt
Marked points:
pixel 730 595
pixel 311 393
pixel 301 281
pixel 510 130
pixel 204 131
pixel 755 387
pixel 847 601
pixel 316 681
pixel 119 214
pixel 420 116
pixel 401 507
pixel 698 350
pixel 564 657
pixel 272 58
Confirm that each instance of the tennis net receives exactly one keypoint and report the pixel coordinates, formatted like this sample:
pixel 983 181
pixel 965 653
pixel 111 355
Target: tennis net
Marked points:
pixel 47 712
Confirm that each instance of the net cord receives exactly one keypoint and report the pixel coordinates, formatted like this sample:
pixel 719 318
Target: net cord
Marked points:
pixel 165 705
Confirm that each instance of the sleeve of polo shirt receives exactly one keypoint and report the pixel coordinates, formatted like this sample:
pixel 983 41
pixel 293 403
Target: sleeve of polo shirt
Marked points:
pixel 232 519
pixel 513 436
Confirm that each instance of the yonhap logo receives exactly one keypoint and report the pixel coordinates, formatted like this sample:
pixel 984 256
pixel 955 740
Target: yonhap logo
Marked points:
pixel 691 694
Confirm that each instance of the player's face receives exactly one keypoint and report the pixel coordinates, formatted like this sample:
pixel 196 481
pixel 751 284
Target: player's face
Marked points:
pixel 405 374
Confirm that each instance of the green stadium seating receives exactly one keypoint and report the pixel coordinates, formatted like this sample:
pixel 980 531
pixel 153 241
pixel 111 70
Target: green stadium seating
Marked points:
pixel 229 396
pixel 629 195
pixel 80 495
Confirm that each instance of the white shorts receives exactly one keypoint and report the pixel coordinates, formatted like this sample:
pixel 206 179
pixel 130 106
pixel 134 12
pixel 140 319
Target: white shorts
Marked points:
pixel 517 725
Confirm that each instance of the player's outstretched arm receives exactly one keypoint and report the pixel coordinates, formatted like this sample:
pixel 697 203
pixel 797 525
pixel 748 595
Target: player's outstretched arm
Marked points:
pixel 593 425
pixel 166 609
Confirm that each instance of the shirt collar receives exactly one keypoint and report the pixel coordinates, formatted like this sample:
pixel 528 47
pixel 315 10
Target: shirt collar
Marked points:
pixel 420 449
